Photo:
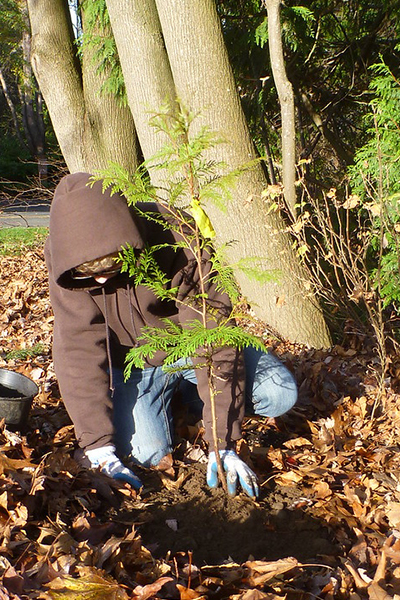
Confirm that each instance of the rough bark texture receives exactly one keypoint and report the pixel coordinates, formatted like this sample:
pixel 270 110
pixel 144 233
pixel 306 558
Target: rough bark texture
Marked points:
pixel 109 127
pixel 286 99
pixel 144 62
pixel 91 129
pixel 205 83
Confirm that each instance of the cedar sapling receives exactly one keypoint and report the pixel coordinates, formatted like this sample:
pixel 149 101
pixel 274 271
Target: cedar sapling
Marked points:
pixel 190 180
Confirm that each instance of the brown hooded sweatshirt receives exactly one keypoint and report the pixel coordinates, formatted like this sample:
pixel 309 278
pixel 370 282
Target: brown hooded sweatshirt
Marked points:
pixel 87 223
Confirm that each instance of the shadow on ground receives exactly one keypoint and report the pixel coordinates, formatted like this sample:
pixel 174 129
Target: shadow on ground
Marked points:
pixel 217 529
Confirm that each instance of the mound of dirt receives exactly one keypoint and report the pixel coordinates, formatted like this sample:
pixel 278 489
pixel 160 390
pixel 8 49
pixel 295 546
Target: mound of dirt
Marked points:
pixel 193 517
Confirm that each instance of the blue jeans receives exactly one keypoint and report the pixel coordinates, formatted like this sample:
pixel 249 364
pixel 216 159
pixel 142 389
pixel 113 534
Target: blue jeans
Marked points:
pixel 142 405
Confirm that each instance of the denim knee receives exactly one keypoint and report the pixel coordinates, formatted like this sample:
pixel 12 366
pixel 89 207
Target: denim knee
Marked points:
pixel 278 402
pixel 271 389
pixel 151 455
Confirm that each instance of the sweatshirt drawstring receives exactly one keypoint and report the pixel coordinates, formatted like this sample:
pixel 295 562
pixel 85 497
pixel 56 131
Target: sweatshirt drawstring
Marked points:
pixel 112 388
pixel 128 289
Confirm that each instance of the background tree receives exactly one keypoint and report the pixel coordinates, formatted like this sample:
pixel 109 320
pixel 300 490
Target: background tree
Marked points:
pixel 286 100
pixel 145 66
pixel 19 93
pixel 31 100
pixel 198 71
pixel 327 38
pixel 328 48
pixel 92 127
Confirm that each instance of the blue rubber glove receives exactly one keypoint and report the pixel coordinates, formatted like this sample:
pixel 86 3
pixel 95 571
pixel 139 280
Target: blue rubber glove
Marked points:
pixel 109 463
pixel 235 469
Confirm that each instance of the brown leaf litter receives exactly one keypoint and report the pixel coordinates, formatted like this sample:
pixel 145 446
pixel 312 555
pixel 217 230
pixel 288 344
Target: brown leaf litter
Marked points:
pixel 326 525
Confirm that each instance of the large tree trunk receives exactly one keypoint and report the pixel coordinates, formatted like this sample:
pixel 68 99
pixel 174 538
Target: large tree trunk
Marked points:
pixel 109 126
pixel 92 129
pixel 144 61
pixel 286 99
pixel 205 83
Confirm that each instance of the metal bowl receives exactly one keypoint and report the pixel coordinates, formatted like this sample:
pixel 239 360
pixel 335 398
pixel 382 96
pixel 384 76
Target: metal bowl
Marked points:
pixel 16 394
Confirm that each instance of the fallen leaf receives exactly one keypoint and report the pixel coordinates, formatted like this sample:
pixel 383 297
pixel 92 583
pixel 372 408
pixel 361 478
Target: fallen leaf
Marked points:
pixel 376 592
pixel 91 585
pixel 187 593
pixel 88 528
pixel 393 514
pixel 149 590
pixel 261 571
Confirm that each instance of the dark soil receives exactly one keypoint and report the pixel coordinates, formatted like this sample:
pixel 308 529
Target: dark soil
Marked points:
pixel 217 529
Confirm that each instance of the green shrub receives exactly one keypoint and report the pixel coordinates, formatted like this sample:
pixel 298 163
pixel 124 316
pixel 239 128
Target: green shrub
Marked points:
pixel 15 161
pixel 375 178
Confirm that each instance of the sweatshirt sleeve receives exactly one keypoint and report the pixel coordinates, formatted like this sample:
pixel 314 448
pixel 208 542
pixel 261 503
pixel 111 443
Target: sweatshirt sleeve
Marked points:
pixel 228 362
pixel 80 362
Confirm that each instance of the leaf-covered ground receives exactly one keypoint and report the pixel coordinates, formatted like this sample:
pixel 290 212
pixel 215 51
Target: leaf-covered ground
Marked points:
pixel 327 524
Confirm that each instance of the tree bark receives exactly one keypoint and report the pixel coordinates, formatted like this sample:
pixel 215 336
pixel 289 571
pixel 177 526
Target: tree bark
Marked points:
pixel 144 61
pixel 92 129
pixel 109 125
pixel 286 99
pixel 205 84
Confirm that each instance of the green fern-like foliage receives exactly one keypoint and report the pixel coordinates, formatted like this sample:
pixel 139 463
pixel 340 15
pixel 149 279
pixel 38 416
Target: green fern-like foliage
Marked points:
pixel 191 174
pixel 25 353
pixel 135 187
pixel 224 277
pixel 193 341
pixel 375 177
pixel 144 270
pixel 98 39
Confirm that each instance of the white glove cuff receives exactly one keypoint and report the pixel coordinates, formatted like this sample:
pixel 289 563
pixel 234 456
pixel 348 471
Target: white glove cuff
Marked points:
pixel 97 456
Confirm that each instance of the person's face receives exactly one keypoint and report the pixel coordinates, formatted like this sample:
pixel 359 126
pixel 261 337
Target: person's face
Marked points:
pixel 100 273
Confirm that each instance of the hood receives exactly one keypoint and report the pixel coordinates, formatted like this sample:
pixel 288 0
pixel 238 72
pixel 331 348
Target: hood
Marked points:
pixel 87 223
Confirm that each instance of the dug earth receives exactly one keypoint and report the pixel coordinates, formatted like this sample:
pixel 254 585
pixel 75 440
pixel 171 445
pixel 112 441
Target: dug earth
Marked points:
pixel 192 517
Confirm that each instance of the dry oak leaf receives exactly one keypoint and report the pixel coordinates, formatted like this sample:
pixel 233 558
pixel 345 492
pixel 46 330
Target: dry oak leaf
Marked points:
pixel 150 590
pixel 376 592
pixel 188 594
pixel 91 585
pixel 322 490
pixel 264 571
pixel 226 574
pixel 86 527
pixel 8 465
pixel 254 595
pixel 393 514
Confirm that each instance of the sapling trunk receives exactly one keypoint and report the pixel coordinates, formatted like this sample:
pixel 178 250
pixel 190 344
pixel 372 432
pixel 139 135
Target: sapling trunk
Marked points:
pixel 213 394
pixel 193 188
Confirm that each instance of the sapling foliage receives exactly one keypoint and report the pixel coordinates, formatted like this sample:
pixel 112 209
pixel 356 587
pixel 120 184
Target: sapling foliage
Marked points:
pixel 190 179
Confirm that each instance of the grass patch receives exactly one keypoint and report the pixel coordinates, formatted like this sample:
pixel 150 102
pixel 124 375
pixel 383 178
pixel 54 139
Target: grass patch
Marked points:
pixel 25 353
pixel 14 241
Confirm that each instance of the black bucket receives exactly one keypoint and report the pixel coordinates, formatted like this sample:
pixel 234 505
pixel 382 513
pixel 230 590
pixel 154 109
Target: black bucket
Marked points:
pixel 16 394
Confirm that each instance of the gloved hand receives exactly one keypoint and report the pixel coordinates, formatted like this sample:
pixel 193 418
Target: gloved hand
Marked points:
pixel 109 463
pixel 235 469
